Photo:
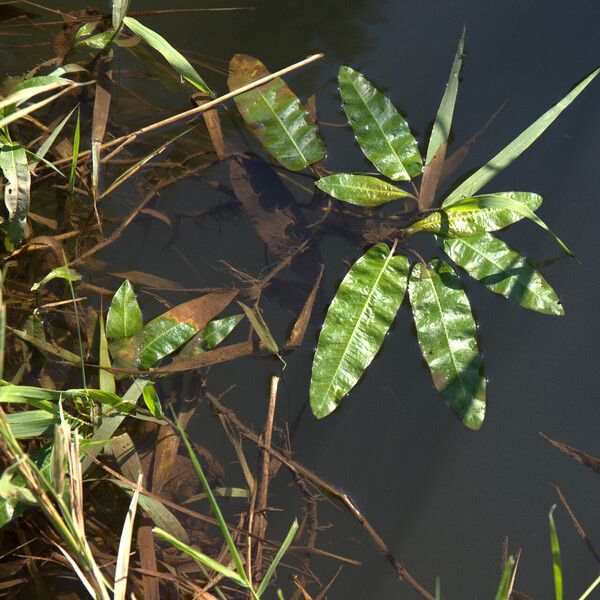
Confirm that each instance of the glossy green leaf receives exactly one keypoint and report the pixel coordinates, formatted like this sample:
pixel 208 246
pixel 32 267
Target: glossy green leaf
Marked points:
pixel 502 270
pixel 124 317
pixel 170 331
pixel 556 563
pixel 497 164
pixel 152 401
pixel 172 56
pixel 355 326
pixel 443 120
pixel 14 166
pixel 447 336
pixel 275 115
pixel 33 87
pixel 469 219
pixel 505 580
pixel 201 558
pixel 119 10
pixel 381 131
pixel 106 378
pixel 211 336
pixel 508 202
pixel 362 190
pixel 58 273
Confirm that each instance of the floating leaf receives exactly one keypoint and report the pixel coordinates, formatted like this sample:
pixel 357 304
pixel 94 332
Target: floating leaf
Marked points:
pixel 172 56
pixel 275 115
pixel 443 121
pixel 124 317
pixel 262 329
pixel 362 190
pixel 58 273
pixel 168 332
pixel 556 563
pixel 380 129
pixel 211 336
pixel 355 326
pixel 497 164
pixel 469 219
pixel 14 166
pixel 447 335
pixel 494 264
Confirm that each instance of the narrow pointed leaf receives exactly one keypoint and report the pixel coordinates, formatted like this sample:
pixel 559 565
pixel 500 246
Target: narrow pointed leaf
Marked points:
pixel 124 317
pixel 447 335
pixel 282 550
pixel 381 131
pixel 503 271
pixel 47 143
pixel 556 563
pixel 362 190
pixel 275 115
pixel 119 10
pixel 200 557
pixel 497 164
pixel 443 121
pixel 14 166
pixel 211 336
pixel 172 56
pixel 58 273
pixel 463 220
pixel 261 328
pixel 355 326
pixel 504 587
pixel 106 378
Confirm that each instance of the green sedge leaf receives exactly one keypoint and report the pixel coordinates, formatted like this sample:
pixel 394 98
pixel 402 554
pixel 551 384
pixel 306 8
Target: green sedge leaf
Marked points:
pixel 361 190
pixel 172 56
pixel 447 336
pixel 506 156
pixel 381 131
pixel 556 562
pixel 355 326
pixel 505 580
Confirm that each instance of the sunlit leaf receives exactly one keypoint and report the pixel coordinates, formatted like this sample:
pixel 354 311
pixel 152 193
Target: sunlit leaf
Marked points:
pixel 447 336
pixel 31 423
pixel 201 558
pixel 47 143
pixel 152 401
pixel 124 317
pixel 556 563
pixel 259 325
pixel 168 332
pixel 172 56
pixel 504 587
pixel 380 129
pixel 14 166
pixel 504 271
pixel 119 10
pixel 211 336
pixel 29 88
pixel 58 273
pixel 76 142
pixel 497 164
pixel 443 121
pixel 275 115
pixel 355 326
pixel 470 218
pixel 106 377
pixel 362 190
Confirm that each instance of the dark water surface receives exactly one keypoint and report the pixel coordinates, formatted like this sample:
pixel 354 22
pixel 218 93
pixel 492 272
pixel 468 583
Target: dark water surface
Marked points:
pixel 443 497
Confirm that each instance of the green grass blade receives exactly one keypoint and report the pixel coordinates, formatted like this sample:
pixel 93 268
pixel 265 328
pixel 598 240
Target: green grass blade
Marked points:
pixel 282 550
pixel 505 580
pixel 592 587
pixel 76 142
pixel 556 564
pixel 201 558
pixel 46 145
pixel 497 164
pixel 214 506
pixel 443 120
pixel 172 56
pixel 119 10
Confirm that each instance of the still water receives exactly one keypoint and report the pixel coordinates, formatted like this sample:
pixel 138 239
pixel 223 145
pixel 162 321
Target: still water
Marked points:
pixel 442 497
